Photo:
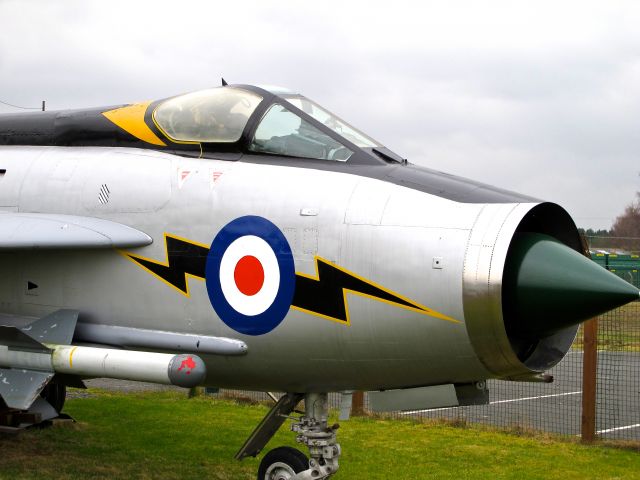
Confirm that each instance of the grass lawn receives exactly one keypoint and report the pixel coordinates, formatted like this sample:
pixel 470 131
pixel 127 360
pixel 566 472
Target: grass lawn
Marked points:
pixel 165 435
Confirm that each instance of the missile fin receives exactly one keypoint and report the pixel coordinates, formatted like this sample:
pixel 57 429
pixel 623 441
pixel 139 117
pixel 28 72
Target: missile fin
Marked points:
pixel 57 328
pixel 16 339
pixel 20 388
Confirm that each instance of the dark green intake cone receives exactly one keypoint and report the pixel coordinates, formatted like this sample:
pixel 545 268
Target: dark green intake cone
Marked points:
pixel 548 286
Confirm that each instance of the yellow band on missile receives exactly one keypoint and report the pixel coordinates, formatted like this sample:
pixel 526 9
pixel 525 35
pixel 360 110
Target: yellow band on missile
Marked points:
pixel 131 120
pixel 73 350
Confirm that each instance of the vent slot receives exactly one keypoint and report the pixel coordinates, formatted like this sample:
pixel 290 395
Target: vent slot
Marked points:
pixel 2 171
pixel 103 195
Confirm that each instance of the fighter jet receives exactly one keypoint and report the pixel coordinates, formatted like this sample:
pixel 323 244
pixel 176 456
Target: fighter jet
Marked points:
pixel 245 237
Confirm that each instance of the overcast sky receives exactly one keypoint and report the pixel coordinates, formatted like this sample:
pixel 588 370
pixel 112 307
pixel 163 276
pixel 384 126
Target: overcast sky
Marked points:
pixel 540 97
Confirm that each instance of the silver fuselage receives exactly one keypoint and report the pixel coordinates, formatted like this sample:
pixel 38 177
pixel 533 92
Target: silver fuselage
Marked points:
pixel 445 255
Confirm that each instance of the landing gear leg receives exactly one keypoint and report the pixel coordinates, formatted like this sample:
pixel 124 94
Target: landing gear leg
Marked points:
pixel 314 432
pixel 312 429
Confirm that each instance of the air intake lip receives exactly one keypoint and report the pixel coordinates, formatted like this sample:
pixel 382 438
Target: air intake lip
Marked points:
pixel 501 343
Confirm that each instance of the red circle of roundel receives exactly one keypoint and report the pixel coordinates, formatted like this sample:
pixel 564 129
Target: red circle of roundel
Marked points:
pixel 249 275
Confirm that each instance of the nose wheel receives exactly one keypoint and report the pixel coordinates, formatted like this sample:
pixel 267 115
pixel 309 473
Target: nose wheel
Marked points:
pixel 312 430
pixel 282 463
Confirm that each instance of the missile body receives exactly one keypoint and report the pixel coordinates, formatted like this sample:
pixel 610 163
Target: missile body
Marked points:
pixel 181 370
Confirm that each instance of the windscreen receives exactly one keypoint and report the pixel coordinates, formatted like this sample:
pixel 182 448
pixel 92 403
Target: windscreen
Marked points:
pixel 330 120
pixel 282 132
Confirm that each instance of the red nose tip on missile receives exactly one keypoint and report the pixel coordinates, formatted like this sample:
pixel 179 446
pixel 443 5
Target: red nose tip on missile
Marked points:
pixel 549 286
pixel 187 370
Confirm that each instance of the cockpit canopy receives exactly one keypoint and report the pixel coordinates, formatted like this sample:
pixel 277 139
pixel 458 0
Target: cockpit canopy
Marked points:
pixel 221 115
pixel 216 115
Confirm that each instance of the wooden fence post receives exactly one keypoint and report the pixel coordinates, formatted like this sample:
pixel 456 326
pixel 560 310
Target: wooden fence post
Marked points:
pixel 195 392
pixel 589 378
pixel 357 404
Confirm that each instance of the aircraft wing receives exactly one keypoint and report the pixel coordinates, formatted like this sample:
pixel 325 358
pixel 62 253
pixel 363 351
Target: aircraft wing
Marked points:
pixel 24 231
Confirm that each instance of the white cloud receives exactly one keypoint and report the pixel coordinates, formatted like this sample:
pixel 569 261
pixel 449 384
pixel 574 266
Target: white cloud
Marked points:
pixel 541 97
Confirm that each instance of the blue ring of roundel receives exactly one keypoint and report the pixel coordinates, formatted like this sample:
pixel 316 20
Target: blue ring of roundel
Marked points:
pixel 272 316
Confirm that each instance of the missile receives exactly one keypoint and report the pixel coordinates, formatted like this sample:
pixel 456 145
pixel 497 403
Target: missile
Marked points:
pixel 183 370
pixel 28 361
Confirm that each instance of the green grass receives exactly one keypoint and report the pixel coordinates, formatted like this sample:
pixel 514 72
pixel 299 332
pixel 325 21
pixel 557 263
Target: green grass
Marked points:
pixel 165 435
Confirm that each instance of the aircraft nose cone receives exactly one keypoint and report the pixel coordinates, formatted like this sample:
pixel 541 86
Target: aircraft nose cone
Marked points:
pixel 548 286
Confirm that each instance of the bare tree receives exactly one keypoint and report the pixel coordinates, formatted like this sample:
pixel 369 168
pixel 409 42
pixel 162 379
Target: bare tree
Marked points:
pixel 626 228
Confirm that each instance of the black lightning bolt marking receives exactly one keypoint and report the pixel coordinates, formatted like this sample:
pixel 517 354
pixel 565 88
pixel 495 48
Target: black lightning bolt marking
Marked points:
pixel 326 295
pixel 184 258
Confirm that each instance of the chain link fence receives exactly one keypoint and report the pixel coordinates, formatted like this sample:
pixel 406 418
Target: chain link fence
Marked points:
pixel 557 407
pixel 618 374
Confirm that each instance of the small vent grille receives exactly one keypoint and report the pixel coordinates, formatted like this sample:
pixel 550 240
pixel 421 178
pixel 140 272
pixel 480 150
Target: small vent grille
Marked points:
pixel 103 196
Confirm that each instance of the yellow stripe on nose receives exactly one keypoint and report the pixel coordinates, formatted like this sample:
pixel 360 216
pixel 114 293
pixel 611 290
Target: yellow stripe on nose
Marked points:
pixel 131 120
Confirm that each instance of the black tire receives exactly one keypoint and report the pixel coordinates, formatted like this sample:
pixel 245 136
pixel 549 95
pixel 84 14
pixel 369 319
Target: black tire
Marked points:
pixel 55 394
pixel 284 462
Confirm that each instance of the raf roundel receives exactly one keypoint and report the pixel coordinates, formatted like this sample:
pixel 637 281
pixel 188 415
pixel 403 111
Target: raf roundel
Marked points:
pixel 250 275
